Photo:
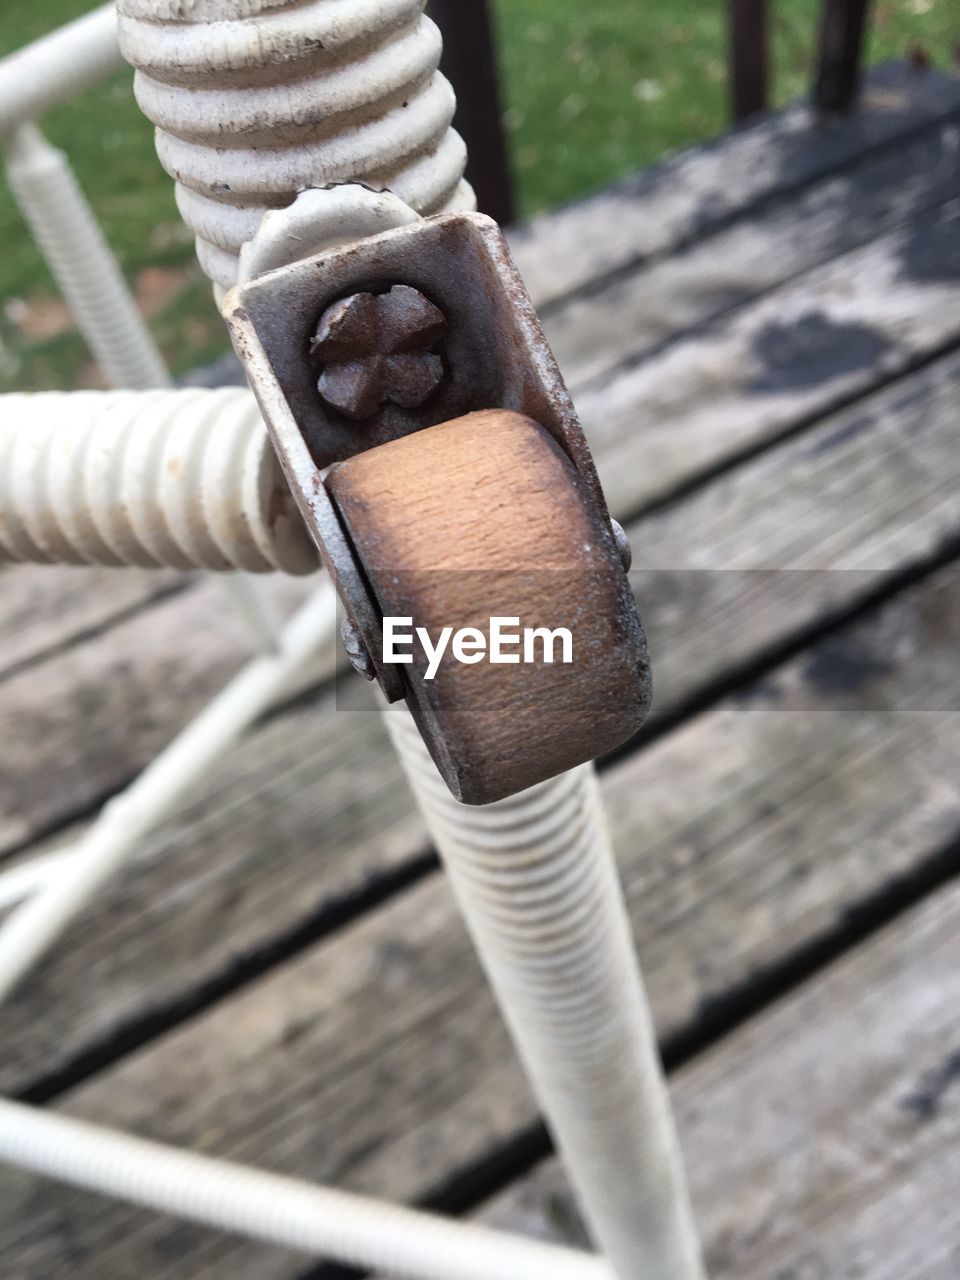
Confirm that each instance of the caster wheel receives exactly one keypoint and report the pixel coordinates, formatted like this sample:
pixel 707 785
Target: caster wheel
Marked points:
pixel 484 518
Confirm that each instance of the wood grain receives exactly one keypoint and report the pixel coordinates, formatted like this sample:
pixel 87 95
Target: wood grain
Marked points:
pixel 67 717
pixel 376 1059
pixel 792 355
pixel 44 608
pixel 82 722
pixel 641 310
pixel 822 1139
pixel 777 546
pixel 370 1054
pixel 85 721
pixel 697 192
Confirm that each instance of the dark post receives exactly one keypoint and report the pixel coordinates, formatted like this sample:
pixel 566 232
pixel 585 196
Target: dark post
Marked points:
pixel 842 30
pixel 748 57
pixel 470 64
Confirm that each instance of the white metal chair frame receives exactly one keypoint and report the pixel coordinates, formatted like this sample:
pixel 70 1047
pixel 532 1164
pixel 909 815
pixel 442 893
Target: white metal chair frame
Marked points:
pixel 574 1003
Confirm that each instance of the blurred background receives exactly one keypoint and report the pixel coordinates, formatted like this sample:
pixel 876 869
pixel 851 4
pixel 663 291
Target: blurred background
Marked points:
pixel 591 92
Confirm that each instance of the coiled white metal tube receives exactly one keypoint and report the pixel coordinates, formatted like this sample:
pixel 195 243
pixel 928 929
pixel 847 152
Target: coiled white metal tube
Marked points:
pixel 86 271
pixel 180 478
pixel 535 879
pixel 255 102
pixel 91 281
pixel 283 1211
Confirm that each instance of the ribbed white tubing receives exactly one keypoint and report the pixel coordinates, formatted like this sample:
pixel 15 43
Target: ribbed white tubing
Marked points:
pixel 339 91
pixel 181 478
pixel 347 1228
pixel 57 212
pixel 256 102
pixel 90 279
pixel 535 879
pixel 159 789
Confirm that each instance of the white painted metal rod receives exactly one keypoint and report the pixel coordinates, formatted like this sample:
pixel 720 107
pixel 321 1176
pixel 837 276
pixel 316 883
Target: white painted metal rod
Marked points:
pixel 535 879
pixel 86 271
pixel 186 479
pixel 346 1228
pixel 28 933
pixel 107 315
pixel 20 881
pixel 58 66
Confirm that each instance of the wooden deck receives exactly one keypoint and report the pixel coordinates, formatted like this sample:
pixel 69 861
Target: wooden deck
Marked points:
pixel 763 338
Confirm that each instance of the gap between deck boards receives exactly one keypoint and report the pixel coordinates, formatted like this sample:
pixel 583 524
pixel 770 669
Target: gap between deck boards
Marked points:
pixel 836 442
pixel 740 368
pixel 715 615
pixel 822 1137
pixel 879 803
pixel 695 195
pixel 700 191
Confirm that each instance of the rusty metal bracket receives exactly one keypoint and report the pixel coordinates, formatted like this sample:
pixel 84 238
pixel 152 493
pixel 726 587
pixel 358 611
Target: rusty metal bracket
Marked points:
pixel 494 355
pixel 494 351
pixel 395 334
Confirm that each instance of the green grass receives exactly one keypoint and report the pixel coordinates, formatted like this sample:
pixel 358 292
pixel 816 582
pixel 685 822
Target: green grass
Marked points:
pixel 594 90
pixel 597 90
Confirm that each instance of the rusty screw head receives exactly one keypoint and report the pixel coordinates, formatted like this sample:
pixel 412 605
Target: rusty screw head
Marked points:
pixel 378 348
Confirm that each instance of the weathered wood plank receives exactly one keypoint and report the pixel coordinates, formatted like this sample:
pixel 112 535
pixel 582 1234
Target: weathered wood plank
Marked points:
pixel 733 571
pixel 695 193
pixel 778 545
pixel 634 472
pixel 822 1139
pixel 91 717
pixel 640 310
pixel 377 1060
pixel 46 607
pixel 308 813
pixel 789 357
pixel 741 383
pixel 83 722
pixel 209 899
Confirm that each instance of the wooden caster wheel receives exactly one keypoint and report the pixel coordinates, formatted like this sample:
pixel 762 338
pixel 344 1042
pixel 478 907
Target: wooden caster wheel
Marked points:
pixel 480 518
